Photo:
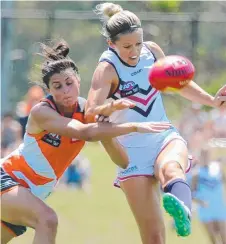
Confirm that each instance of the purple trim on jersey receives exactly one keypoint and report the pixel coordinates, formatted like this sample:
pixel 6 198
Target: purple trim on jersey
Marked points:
pixel 114 97
pixel 142 91
pixel 145 92
pixel 189 165
pixel 141 100
pixel 142 112
pixel 129 177
pixel 111 49
pixel 139 110
pixel 106 60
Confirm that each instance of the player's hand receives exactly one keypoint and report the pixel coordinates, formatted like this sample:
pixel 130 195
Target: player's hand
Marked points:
pixel 101 118
pixel 107 109
pixel 220 97
pixel 153 127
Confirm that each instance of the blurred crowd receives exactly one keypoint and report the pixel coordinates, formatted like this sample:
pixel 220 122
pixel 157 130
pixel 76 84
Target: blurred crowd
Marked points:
pixel 205 133
pixel 202 129
pixel 13 124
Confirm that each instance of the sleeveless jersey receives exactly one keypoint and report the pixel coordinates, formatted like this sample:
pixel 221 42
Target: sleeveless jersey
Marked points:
pixel 43 157
pixel 134 86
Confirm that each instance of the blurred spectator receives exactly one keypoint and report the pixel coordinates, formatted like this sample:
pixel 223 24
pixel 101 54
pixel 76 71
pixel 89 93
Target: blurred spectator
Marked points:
pixel 193 120
pixel 195 143
pixel 209 191
pixel 78 173
pixel 17 131
pixel 219 122
pixel 33 96
pixel 10 133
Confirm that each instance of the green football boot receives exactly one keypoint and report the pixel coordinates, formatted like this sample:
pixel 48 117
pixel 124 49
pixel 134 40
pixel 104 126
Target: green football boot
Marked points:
pixel 180 213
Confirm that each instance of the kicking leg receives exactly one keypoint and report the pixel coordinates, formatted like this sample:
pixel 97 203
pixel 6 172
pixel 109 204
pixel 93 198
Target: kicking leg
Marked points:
pixel 169 169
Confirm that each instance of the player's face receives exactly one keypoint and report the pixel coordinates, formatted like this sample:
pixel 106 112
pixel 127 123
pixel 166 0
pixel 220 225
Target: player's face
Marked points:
pixel 128 46
pixel 64 87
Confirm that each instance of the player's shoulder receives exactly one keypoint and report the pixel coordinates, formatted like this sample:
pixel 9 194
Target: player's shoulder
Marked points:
pixel 37 109
pixel 155 49
pixel 107 70
pixel 108 55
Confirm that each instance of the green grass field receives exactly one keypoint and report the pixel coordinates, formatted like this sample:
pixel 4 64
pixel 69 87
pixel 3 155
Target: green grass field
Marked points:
pixel 103 216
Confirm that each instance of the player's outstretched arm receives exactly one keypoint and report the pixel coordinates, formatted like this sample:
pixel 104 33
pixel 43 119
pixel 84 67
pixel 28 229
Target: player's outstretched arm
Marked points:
pixel 47 119
pixel 192 91
pixel 195 93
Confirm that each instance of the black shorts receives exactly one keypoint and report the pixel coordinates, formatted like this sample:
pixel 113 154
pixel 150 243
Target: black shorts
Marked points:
pixel 7 182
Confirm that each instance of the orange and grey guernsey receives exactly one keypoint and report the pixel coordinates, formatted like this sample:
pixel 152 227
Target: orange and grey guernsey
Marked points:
pixel 41 160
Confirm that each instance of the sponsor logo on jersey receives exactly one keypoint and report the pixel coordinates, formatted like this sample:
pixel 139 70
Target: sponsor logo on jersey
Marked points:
pixel 52 139
pixel 136 72
pixel 129 88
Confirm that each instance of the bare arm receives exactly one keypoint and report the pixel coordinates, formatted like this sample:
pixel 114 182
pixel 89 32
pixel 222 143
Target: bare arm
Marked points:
pixel 103 81
pixel 47 119
pixel 192 91
pixel 156 50
pixel 195 93
pixel 43 118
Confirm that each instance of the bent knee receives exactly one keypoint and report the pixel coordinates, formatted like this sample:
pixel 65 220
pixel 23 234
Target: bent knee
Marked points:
pixel 172 170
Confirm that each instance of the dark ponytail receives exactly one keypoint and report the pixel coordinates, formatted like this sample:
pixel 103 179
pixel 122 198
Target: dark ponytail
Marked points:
pixel 56 60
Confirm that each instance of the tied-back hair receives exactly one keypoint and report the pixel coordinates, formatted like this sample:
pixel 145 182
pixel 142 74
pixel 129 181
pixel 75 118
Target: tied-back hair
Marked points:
pixel 56 60
pixel 116 20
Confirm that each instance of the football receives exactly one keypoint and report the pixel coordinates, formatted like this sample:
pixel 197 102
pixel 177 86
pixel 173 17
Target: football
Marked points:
pixel 171 73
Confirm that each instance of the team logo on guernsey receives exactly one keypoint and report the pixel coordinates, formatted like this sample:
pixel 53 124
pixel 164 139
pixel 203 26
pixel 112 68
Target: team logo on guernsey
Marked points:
pixel 52 139
pixel 128 88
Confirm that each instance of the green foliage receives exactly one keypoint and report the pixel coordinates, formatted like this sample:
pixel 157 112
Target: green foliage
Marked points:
pixel 164 6
pixel 216 83
pixel 87 44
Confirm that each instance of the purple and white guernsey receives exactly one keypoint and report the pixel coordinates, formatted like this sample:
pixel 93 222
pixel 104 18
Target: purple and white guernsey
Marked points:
pixel 134 86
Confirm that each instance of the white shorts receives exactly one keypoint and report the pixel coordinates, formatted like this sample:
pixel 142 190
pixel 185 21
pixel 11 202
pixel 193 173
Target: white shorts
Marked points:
pixel 142 159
